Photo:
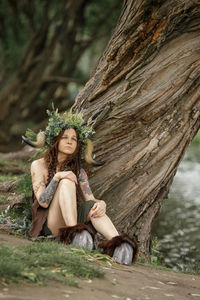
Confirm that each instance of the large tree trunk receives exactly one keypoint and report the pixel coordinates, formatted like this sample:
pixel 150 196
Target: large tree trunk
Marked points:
pixel 143 100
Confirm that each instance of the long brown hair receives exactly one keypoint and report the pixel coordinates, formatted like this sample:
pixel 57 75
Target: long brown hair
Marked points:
pixel 72 163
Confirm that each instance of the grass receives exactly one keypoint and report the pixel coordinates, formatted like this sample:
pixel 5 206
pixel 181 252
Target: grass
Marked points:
pixel 4 199
pixel 193 269
pixel 4 178
pixel 156 258
pixel 41 262
pixel 19 218
pixel 25 185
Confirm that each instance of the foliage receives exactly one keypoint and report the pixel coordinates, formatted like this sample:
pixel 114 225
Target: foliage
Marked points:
pixel 58 122
pixel 157 260
pixel 67 120
pixel 196 139
pixel 3 199
pixel 156 256
pixel 30 134
pixel 21 22
pixel 43 261
pixel 4 178
pixel 47 52
pixel 19 219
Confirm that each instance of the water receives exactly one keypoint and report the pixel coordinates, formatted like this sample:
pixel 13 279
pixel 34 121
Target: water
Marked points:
pixel 178 225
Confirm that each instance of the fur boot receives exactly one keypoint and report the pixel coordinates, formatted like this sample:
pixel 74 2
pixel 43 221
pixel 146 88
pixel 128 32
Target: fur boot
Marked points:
pixel 79 235
pixel 121 248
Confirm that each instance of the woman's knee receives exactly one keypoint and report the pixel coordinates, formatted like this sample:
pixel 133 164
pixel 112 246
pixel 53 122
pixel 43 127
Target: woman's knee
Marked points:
pixel 67 192
pixel 66 183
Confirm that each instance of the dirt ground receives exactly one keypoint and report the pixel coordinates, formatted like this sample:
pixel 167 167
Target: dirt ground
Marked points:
pixel 137 282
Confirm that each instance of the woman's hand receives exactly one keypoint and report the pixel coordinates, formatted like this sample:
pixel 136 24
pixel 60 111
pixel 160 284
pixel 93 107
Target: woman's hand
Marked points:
pixel 98 209
pixel 65 175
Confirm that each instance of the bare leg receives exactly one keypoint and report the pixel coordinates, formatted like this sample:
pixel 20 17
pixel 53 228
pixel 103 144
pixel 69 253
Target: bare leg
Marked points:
pixel 63 209
pixel 104 226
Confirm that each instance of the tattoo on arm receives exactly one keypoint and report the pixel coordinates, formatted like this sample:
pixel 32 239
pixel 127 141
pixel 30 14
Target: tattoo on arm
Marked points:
pixel 47 196
pixel 84 182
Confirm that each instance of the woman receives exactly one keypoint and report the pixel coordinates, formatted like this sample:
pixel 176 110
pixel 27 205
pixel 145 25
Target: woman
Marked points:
pixel 59 183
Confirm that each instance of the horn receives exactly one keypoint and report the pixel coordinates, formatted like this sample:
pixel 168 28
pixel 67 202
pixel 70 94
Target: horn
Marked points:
pixel 88 154
pixel 40 140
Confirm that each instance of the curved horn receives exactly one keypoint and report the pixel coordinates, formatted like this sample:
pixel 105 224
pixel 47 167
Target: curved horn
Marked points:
pixel 40 140
pixel 88 155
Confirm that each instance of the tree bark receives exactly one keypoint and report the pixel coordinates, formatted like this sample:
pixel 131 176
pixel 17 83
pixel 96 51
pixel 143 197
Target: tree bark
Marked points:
pixel 143 100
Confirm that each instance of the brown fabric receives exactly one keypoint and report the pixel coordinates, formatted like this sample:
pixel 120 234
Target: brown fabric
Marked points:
pixel 109 246
pixel 66 234
pixel 39 216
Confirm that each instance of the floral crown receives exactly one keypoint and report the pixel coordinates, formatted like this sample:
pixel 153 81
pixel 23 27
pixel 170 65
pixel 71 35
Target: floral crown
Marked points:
pixel 68 120
pixel 56 124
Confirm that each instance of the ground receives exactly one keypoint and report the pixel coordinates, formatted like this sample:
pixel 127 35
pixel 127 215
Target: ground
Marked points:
pixel 136 282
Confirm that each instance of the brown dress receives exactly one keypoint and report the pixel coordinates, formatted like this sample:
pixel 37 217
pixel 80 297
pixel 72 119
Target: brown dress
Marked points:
pixel 39 216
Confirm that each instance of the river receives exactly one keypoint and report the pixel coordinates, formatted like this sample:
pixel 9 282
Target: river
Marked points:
pixel 178 225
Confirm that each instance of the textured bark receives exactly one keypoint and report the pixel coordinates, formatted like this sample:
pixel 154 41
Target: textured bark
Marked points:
pixel 143 100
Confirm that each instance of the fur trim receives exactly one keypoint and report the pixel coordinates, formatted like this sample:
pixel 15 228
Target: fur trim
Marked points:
pixel 109 246
pixel 66 234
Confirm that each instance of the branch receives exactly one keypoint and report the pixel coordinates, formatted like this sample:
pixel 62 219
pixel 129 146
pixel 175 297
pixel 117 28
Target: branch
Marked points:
pixel 64 80
pixel 91 39
pixel 28 10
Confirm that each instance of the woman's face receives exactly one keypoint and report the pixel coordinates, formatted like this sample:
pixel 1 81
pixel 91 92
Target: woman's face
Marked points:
pixel 68 142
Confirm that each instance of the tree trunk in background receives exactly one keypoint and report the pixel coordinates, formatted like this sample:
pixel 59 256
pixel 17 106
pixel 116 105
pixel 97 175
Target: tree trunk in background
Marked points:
pixel 39 64
pixel 143 100
pixel 50 60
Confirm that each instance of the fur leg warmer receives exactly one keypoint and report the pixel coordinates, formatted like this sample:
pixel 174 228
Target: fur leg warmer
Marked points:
pixel 79 235
pixel 122 248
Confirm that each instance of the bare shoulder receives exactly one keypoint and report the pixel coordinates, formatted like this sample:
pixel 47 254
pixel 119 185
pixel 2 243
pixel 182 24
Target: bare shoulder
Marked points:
pixel 39 163
pixel 39 167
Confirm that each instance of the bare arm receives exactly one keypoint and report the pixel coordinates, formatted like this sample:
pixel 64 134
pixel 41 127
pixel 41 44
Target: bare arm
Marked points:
pixel 45 194
pixel 99 208
pixel 84 184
